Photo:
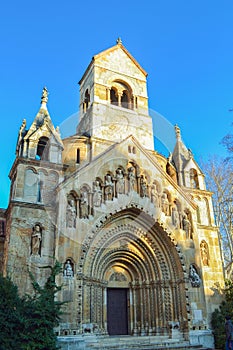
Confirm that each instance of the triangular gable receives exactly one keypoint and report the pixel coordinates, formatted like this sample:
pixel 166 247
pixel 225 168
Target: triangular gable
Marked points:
pixel 191 163
pixel 45 129
pixel 115 148
pixel 117 47
pixel 111 50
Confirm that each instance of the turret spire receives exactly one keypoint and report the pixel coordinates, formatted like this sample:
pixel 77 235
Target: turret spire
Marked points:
pixel 44 98
pixel 177 130
pixel 119 41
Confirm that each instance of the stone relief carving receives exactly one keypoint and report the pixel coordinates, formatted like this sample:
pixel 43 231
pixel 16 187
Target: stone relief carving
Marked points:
pixel 120 181
pixel 118 277
pixel 84 205
pixel 125 182
pixel 165 204
pixel 97 194
pixel 187 227
pixel 143 186
pixel 154 196
pixel 108 191
pixel 68 269
pixel 194 277
pixel 204 249
pixel 36 240
pixel 175 217
pixel 71 213
pixel 131 178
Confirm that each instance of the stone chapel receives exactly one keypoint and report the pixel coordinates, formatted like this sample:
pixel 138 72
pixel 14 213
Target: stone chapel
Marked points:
pixel 133 229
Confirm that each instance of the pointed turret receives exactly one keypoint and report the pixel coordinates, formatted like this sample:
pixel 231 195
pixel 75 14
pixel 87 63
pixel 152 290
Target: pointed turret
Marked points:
pixel 41 141
pixel 189 173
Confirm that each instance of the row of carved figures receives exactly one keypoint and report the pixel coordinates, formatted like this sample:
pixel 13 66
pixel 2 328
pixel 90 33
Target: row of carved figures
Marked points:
pixel 113 186
pixel 179 220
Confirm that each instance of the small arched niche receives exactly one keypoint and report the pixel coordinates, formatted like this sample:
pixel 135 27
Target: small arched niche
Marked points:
pixel 42 152
pixel 194 183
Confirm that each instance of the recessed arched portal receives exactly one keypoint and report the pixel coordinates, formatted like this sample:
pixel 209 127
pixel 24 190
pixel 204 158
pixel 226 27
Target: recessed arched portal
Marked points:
pixel 131 252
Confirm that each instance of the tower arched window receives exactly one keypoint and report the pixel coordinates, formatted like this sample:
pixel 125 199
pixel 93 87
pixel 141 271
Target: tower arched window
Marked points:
pixel 113 97
pixel 193 178
pixel 124 100
pixel 42 152
pixel 121 95
pixel 87 99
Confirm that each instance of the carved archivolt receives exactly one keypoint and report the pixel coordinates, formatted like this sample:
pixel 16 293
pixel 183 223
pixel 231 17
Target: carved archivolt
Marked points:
pixel 132 243
pixel 143 240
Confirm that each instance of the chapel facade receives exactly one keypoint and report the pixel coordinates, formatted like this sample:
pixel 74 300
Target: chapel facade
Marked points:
pixel 133 229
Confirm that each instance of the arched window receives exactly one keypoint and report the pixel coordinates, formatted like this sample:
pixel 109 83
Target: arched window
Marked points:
pixel 193 178
pixel 124 100
pixel 87 99
pixel 121 95
pixel 42 152
pixel 78 156
pixel 113 97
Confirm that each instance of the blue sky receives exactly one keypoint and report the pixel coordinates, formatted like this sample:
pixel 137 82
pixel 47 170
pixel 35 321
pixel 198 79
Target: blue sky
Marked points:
pixel 185 46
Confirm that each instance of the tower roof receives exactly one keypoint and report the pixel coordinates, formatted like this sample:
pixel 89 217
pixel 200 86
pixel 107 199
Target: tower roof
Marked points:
pixel 118 46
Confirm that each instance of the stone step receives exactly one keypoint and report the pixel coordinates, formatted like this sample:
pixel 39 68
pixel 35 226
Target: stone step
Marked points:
pixel 136 343
pixel 125 343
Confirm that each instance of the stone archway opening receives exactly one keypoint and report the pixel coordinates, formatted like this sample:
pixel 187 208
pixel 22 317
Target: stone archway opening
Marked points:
pixel 138 263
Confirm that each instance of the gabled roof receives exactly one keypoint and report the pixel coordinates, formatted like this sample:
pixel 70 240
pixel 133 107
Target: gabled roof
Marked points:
pixel 43 123
pixel 118 46
pixel 192 161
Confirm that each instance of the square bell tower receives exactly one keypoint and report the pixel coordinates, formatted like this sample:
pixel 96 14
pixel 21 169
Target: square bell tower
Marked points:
pixel 113 98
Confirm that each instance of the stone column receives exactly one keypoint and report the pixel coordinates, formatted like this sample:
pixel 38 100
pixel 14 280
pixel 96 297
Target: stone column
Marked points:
pixel 134 292
pixel 142 309
pixel 119 98
pixel 105 310
pixel 108 94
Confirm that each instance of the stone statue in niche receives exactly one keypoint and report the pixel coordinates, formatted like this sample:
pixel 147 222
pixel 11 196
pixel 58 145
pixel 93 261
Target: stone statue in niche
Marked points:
pixel 71 213
pixel 204 253
pixel 131 178
pixel 120 181
pixel 194 277
pixel 143 187
pixel 175 217
pixel 68 269
pixel 108 191
pixel 36 240
pixel 187 227
pixel 97 195
pixel 154 196
pixel 84 205
pixel 165 204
